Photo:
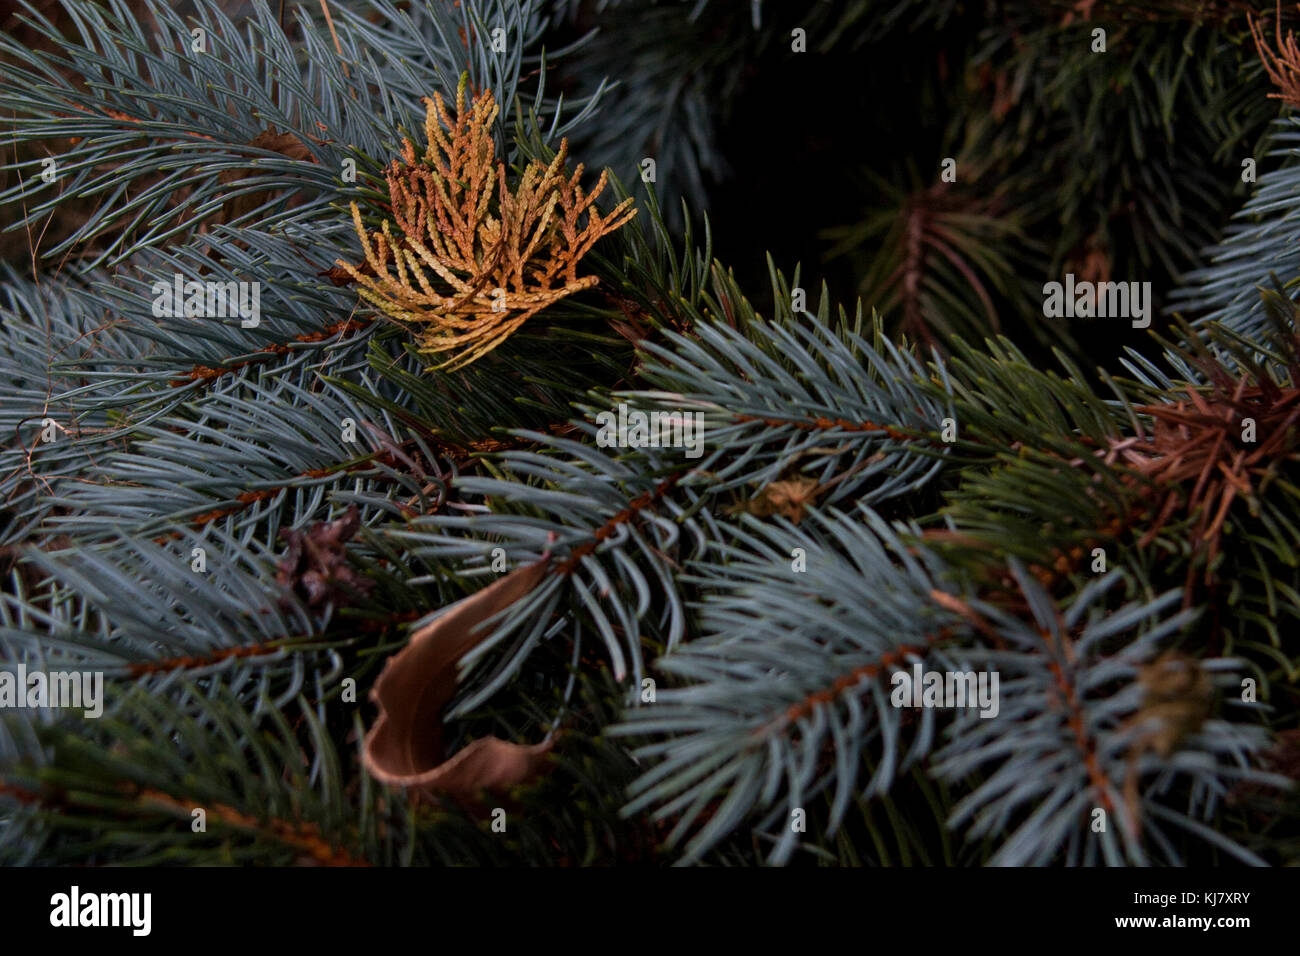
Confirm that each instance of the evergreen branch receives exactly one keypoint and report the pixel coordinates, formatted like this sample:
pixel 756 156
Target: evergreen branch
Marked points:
pixel 783 689
pixel 266 795
pixel 777 395
pixel 1074 722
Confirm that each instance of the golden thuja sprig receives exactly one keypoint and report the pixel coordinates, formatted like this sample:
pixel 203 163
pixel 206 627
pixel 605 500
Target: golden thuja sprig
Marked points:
pixel 1282 65
pixel 445 263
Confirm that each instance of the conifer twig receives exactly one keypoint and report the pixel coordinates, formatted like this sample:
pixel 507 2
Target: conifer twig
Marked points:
pixel 491 272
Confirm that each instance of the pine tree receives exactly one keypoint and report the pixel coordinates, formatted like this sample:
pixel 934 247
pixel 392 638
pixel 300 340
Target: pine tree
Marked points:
pixel 425 491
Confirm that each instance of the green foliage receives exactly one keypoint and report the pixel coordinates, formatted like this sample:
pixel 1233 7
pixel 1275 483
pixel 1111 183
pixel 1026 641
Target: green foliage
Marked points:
pixel 712 645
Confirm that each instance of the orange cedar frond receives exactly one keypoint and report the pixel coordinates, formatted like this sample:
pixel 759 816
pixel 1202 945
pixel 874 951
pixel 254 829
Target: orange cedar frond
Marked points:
pixel 445 263
pixel 1283 65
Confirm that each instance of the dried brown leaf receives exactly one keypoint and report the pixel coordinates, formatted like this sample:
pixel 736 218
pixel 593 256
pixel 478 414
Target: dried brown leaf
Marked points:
pixel 405 746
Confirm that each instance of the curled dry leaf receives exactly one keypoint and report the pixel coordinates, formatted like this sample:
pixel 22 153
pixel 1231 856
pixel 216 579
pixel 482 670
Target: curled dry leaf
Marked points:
pixel 405 747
